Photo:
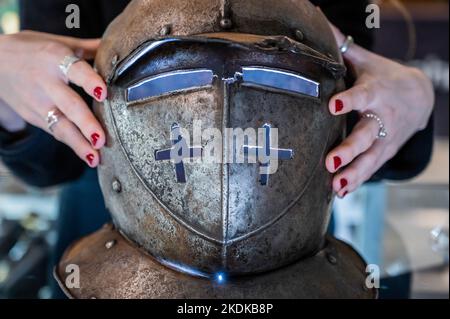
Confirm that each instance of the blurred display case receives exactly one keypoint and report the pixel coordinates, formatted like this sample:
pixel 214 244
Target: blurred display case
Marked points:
pixel 9 17
pixel 27 219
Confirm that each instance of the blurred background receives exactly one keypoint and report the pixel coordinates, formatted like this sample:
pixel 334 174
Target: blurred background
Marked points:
pixel 401 227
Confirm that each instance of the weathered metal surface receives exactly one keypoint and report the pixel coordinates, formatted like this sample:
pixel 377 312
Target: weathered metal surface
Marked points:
pixel 221 219
pixel 180 224
pixel 145 19
pixel 125 271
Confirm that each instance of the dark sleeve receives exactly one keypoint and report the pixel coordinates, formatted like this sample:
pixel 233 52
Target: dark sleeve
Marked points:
pixel 350 16
pixel 38 159
pixel 50 16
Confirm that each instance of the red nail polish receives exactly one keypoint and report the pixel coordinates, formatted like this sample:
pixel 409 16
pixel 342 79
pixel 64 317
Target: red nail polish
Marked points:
pixel 339 105
pixel 90 158
pixel 344 183
pixel 345 194
pixel 98 92
pixel 337 162
pixel 94 138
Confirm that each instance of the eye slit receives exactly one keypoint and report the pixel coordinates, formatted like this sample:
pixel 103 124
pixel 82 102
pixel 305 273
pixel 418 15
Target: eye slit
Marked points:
pixel 279 80
pixel 170 82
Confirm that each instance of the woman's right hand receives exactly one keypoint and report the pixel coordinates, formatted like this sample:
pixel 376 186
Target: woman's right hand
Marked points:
pixel 32 84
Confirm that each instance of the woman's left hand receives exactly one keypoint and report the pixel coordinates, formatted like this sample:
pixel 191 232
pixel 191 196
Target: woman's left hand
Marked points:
pixel 402 97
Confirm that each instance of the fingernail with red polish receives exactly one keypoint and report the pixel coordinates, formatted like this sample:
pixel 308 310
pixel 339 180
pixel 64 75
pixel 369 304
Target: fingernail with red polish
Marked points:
pixel 344 183
pixel 94 138
pixel 339 105
pixel 90 158
pixel 98 92
pixel 337 162
pixel 345 194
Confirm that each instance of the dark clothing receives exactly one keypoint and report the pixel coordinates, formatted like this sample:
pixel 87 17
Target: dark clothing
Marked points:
pixel 38 159
pixel 49 16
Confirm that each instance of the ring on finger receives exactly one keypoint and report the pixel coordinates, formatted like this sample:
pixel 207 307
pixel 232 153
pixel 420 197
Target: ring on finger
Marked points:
pixel 53 117
pixel 349 41
pixel 382 132
pixel 67 63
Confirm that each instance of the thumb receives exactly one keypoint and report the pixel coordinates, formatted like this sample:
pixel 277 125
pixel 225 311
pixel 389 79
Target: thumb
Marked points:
pixel 338 35
pixel 86 49
pixel 83 48
pixel 356 55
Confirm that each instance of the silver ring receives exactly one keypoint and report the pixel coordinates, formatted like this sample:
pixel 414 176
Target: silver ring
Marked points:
pixel 349 41
pixel 67 62
pixel 382 133
pixel 53 117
